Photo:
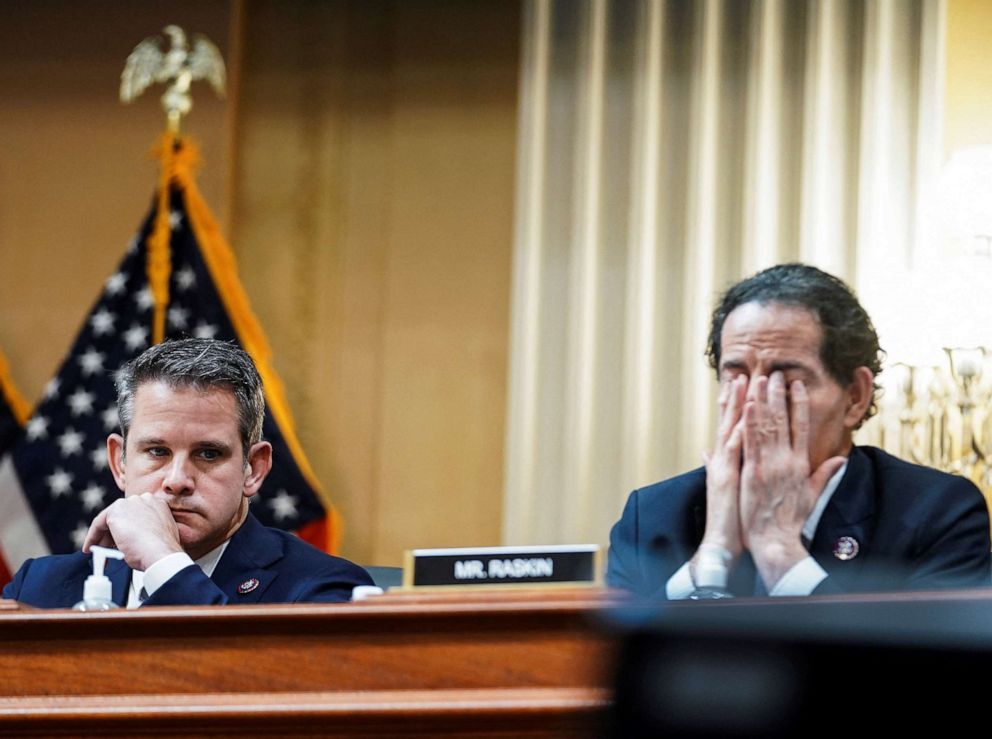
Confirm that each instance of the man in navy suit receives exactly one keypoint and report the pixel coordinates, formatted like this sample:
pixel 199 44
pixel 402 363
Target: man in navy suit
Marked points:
pixel 785 504
pixel 189 458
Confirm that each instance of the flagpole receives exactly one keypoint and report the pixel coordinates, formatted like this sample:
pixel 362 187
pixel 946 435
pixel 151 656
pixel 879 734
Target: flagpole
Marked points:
pixel 178 157
pixel 18 405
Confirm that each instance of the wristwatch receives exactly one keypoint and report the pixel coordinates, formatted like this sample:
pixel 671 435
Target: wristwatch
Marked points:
pixel 708 593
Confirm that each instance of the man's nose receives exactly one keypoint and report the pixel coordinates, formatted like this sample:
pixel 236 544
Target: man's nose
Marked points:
pixel 178 476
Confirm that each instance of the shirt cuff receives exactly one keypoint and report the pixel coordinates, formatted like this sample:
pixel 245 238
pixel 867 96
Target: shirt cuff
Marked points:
pixel 164 570
pixel 680 585
pixel 801 579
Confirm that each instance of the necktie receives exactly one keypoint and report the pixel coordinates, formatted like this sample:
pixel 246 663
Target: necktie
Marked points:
pixel 760 591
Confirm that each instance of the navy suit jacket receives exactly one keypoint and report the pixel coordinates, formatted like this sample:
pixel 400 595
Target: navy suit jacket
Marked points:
pixel 917 529
pixel 288 570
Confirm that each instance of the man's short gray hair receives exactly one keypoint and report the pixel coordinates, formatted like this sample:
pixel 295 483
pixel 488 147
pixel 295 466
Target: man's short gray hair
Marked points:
pixel 201 364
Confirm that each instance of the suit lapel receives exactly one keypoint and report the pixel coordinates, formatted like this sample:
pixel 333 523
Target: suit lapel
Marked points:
pixel 242 572
pixel 72 587
pixel 849 517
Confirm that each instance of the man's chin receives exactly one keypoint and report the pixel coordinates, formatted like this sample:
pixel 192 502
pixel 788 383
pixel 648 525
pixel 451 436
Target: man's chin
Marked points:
pixel 189 537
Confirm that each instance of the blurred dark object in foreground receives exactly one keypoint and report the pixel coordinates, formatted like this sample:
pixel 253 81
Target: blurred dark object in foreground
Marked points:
pixel 844 667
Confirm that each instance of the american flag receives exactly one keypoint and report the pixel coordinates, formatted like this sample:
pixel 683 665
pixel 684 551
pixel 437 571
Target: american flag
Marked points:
pixel 59 478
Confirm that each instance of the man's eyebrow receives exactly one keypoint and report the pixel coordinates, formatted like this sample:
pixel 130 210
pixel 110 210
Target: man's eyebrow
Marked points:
pixel 201 444
pixel 780 366
pixel 211 444
pixel 149 441
pixel 736 364
pixel 786 365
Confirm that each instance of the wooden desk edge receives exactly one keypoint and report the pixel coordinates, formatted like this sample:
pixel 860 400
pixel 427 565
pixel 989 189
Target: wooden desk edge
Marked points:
pixel 510 712
pixel 398 604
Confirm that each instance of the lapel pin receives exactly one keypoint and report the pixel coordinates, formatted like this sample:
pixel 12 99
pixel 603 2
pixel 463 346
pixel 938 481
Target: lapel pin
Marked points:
pixel 846 547
pixel 248 585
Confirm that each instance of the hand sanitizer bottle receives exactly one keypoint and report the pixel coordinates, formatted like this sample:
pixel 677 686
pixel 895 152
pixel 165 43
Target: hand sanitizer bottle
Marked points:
pixel 97 594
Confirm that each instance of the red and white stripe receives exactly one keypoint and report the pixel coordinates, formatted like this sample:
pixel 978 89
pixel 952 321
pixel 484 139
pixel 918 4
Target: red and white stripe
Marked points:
pixel 20 535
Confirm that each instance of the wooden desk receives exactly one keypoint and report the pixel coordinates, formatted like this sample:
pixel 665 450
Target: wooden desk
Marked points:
pixel 509 663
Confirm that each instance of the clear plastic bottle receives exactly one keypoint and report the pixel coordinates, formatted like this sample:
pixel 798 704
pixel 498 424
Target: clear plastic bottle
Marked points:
pixel 97 590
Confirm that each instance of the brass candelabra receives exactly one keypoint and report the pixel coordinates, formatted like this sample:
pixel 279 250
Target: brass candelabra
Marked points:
pixel 940 416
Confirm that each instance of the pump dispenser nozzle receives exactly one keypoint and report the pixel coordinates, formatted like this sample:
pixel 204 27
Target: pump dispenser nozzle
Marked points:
pixel 97 592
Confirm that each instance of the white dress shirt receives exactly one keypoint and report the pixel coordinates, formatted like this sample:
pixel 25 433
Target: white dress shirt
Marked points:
pixel 165 569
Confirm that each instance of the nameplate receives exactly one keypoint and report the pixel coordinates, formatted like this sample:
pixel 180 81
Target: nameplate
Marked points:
pixel 529 565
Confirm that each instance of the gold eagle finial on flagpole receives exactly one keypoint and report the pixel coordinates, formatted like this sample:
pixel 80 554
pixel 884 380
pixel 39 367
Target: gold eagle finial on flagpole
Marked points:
pixel 178 66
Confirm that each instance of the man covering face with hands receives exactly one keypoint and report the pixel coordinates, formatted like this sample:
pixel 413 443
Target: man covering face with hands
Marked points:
pixel 785 504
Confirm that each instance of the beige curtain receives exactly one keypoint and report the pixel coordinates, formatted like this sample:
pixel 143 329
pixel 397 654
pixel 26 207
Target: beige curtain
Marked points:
pixel 666 149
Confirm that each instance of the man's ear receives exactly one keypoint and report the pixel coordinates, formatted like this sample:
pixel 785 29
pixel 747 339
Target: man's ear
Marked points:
pixel 859 396
pixel 115 456
pixel 258 464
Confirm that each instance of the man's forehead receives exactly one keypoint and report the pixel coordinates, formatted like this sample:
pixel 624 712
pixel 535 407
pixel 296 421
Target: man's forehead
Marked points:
pixel 158 396
pixel 153 436
pixel 772 328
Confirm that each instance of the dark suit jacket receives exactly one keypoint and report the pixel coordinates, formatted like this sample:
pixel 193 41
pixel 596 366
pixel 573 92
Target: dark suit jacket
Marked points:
pixel 288 570
pixel 917 529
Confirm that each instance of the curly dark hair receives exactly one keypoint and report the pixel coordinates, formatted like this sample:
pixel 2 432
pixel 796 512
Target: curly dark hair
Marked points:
pixel 849 338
